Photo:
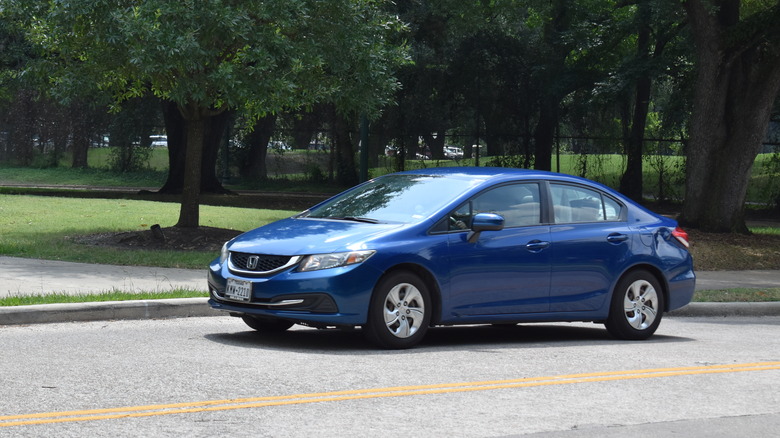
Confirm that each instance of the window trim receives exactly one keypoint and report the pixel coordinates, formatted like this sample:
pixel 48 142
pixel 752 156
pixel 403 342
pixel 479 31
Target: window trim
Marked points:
pixel 547 209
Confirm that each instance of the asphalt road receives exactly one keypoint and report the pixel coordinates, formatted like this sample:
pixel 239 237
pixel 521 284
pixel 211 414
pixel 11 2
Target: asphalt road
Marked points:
pixel 199 377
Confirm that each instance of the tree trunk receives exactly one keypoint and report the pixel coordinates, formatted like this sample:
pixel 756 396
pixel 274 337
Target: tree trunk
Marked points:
pixel 436 144
pixel 305 126
pixel 631 182
pixel 80 144
pixel 735 90
pixel 544 135
pixel 551 91
pixel 177 141
pixel 254 167
pixel 175 128
pixel 343 141
pixel 196 120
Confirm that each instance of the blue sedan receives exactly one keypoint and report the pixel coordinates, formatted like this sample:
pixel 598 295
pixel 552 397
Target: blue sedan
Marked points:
pixel 443 246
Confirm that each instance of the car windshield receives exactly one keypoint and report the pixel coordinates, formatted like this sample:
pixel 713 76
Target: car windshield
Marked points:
pixel 394 198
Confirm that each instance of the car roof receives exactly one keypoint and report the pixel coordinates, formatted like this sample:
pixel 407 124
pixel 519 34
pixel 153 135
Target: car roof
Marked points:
pixel 498 175
pixel 495 174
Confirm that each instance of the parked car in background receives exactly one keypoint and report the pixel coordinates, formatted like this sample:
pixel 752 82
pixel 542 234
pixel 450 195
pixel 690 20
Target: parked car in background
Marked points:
pixel 159 141
pixel 279 146
pixel 445 246
pixel 453 152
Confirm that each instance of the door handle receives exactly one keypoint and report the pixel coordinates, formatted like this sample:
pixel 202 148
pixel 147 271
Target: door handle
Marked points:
pixel 537 245
pixel 617 238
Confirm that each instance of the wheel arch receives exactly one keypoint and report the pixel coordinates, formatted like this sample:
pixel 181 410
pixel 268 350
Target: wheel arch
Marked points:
pixel 655 272
pixel 428 278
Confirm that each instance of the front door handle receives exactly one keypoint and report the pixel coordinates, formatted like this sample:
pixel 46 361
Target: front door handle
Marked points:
pixel 537 245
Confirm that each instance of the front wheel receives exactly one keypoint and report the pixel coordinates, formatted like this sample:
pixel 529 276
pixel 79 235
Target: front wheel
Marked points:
pixel 399 312
pixel 637 307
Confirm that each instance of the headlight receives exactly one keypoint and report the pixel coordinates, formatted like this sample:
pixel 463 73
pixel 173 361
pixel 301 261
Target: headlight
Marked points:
pixel 334 260
pixel 223 254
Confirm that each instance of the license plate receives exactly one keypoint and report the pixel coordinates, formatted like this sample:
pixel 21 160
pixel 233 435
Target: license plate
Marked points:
pixel 238 290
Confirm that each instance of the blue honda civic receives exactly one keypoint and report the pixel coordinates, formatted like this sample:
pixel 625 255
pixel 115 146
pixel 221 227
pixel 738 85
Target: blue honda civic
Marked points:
pixel 407 251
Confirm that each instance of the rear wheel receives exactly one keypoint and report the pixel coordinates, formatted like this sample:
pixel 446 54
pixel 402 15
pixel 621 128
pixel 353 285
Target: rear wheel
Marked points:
pixel 637 306
pixel 399 312
pixel 266 324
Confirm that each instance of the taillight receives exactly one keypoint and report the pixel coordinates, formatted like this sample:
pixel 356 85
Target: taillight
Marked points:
pixel 681 236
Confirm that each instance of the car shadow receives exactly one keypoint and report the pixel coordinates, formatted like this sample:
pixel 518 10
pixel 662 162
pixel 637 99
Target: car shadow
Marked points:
pixel 440 338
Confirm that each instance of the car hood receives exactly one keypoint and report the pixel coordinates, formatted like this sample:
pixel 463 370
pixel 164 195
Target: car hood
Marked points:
pixel 308 236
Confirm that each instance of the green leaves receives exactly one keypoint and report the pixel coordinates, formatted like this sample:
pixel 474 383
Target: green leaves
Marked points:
pixel 263 55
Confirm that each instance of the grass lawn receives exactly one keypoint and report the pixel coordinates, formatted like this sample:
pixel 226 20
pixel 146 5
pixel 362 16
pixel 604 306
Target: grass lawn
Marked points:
pixel 738 295
pixel 95 177
pixel 46 227
pixel 57 298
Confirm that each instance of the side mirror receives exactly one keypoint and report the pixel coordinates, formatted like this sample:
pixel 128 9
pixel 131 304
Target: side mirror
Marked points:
pixel 485 222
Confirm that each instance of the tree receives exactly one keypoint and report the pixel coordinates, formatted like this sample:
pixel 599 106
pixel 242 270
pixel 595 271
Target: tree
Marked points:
pixel 737 82
pixel 657 25
pixel 175 128
pixel 210 56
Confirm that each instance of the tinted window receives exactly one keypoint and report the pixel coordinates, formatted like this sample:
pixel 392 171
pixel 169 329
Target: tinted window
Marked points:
pixel 517 203
pixel 579 204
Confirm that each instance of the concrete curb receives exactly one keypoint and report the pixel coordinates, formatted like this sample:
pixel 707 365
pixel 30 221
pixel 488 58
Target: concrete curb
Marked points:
pixel 191 307
pixel 105 311
pixel 728 309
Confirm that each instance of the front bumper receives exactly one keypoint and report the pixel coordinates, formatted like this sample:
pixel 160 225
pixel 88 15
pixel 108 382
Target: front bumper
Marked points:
pixel 338 296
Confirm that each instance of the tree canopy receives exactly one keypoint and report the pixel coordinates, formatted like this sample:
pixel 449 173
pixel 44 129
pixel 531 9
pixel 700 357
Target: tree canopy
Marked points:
pixel 208 56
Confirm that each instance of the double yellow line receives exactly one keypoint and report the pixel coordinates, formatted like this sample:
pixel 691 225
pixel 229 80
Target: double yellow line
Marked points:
pixel 358 394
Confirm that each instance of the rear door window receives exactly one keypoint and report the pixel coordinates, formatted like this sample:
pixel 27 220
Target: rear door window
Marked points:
pixel 575 204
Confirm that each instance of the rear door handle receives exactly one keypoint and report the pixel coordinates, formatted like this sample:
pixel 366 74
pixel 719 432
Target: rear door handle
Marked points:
pixel 617 238
pixel 537 245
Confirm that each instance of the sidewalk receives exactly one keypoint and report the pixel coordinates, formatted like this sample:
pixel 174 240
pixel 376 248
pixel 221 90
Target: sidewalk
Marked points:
pixel 19 276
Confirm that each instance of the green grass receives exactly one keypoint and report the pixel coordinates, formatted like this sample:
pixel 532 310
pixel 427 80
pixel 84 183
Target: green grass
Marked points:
pixel 95 177
pixel 46 227
pixel 100 157
pixel 57 298
pixel 738 295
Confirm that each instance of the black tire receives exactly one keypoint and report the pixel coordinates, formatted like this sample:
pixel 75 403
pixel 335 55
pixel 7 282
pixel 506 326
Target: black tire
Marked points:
pixel 637 306
pixel 270 325
pixel 399 312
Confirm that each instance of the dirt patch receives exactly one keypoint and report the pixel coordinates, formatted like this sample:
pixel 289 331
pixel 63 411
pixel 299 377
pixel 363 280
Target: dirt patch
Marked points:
pixel 720 251
pixel 173 238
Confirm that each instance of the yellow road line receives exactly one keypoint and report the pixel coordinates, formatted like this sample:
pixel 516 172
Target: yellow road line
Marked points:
pixel 359 394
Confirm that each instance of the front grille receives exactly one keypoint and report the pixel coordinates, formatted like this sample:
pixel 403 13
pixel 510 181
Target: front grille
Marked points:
pixel 257 263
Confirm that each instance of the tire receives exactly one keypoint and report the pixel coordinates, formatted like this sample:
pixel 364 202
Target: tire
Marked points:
pixel 269 325
pixel 399 312
pixel 637 306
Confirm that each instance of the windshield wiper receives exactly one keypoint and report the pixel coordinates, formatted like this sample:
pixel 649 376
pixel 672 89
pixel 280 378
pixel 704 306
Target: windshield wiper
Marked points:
pixel 367 220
